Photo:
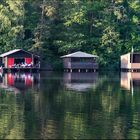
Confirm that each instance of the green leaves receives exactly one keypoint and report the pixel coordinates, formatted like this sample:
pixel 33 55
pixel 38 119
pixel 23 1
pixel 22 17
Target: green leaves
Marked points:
pixel 108 28
pixel 11 27
pixel 74 13
pixel 110 37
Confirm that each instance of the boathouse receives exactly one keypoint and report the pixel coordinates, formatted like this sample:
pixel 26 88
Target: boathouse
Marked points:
pixel 80 61
pixel 130 62
pixel 19 59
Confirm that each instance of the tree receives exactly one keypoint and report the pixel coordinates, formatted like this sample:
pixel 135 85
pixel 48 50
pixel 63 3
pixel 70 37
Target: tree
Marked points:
pixel 11 24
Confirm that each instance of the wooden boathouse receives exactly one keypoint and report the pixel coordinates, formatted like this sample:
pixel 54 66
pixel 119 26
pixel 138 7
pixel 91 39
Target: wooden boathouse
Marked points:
pixel 130 62
pixel 19 60
pixel 80 61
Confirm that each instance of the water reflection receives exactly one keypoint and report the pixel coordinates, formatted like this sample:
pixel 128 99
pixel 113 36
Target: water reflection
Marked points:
pixel 19 82
pixel 80 81
pixel 130 80
pixel 104 112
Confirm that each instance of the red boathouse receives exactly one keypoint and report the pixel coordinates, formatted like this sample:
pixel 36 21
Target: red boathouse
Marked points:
pixel 19 59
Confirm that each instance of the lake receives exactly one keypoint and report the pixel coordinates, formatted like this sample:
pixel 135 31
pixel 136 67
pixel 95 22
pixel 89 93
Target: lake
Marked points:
pixel 52 105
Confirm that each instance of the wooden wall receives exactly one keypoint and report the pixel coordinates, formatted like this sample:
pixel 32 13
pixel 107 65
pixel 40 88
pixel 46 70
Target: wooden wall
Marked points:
pixel 68 64
pixel 126 63
pixel 125 60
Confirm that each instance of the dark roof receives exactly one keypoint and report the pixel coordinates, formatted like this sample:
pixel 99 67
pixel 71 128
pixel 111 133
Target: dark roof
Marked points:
pixel 14 51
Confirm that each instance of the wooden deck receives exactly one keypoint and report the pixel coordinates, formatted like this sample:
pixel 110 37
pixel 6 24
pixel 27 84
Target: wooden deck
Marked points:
pixel 130 70
pixel 31 69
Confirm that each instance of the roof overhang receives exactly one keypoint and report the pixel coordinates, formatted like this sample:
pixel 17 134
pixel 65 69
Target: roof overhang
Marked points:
pixel 15 51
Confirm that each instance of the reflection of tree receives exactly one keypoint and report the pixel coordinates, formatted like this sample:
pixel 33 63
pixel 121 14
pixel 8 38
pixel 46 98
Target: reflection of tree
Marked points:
pixel 38 118
pixel 49 130
pixel 103 112
pixel 11 117
pixel 66 114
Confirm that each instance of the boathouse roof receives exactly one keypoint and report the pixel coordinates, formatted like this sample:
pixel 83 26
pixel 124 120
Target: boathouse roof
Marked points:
pixel 79 54
pixel 14 51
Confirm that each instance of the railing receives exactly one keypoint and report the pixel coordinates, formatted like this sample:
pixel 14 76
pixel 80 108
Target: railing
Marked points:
pixel 83 65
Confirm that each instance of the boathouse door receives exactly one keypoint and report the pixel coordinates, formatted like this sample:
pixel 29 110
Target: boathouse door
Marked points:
pixel 28 60
pixel 10 62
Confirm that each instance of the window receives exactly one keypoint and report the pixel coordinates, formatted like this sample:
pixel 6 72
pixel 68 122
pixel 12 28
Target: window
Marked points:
pixel 135 58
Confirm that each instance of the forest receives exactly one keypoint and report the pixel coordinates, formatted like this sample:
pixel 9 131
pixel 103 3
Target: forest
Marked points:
pixel 52 28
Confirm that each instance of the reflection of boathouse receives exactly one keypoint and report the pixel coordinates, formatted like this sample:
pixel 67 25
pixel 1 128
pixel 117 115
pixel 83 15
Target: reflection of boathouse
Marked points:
pixel 19 82
pixel 80 61
pixel 80 81
pixel 19 59
pixel 130 61
pixel 130 80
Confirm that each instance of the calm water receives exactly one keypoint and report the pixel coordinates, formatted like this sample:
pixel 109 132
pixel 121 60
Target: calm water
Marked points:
pixel 70 105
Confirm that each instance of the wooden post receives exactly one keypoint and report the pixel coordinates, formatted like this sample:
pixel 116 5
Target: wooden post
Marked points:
pixel 132 57
pixel 33 60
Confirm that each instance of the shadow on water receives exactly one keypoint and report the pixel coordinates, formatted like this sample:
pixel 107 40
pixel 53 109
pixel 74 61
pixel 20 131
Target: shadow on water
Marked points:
pixel 50 107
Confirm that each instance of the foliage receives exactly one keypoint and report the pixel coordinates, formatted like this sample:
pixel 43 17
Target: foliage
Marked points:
pixel 107 28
